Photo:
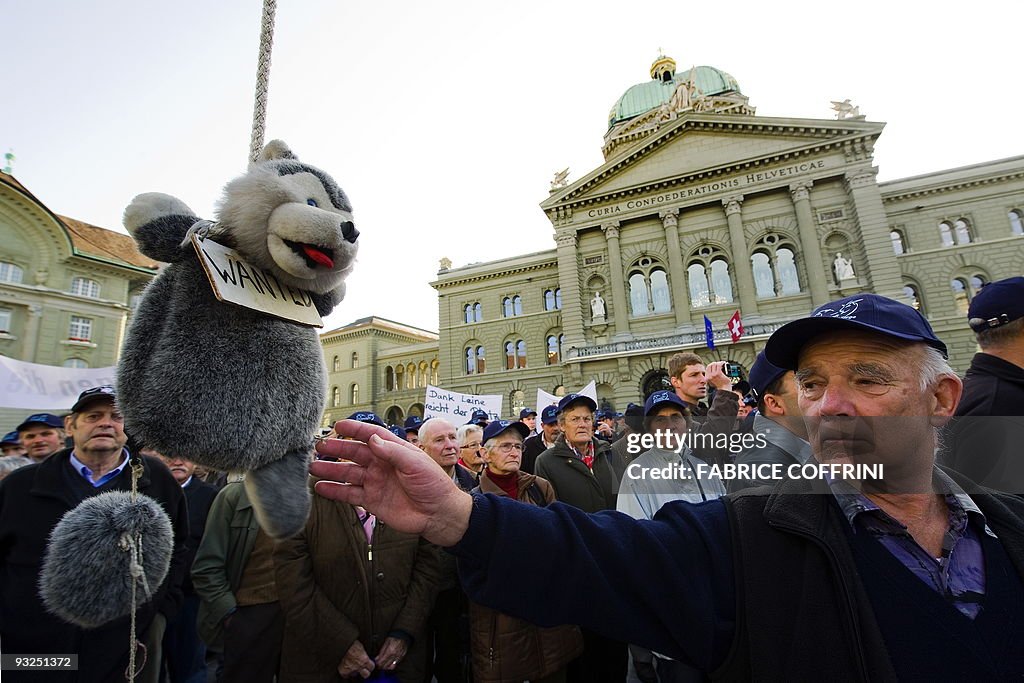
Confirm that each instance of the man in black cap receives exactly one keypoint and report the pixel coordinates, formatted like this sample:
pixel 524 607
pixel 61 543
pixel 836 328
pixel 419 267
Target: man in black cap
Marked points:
pixel 778 423
pixel 984 441
pixel 537 443
pixel 479 417
pixel 896 574
pixel 412 429
pixel 42 435
pixel 32 501
pixel 528 416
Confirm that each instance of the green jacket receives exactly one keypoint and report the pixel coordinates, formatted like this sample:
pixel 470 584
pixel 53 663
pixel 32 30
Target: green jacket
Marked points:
pixel 231 530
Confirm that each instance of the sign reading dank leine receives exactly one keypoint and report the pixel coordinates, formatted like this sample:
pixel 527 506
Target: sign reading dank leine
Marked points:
pixel 692 191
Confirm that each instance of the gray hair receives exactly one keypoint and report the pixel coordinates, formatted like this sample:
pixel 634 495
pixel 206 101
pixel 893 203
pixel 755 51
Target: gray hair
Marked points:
pixel 465 432
pixel 9 463
pixel 933 367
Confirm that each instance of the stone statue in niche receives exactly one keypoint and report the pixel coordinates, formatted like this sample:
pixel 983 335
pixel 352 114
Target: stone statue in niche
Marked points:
pixel 597 308
pixel 843 268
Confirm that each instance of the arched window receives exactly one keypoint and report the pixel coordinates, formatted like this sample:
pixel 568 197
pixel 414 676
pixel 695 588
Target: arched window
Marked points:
pixel 10 273
pixel 764 281
pixel 960 296
pixel 517 305
pixel 354 394
pixel 355 360
pixel 554 346
pixel 558 298
pixel 976 282
pixel 467 313
pixel 75 363
pixel 897 242
pixel 506 307
pixel 638 294
pixel 913 296
pixel 389 378
pixel 552 299
pixel 424 377
pixel 559 390
pixel 399 377
pixel 478 312
pixel 474 360
pixel 660 298
pixel 515 354
pixel 335 397
pixel 1016 222
pixel 521 354
pixel 700 293
pixel 512 306
pixel 479 359
pixel 410 376
pixel 962 231
pixel 434 365
pixel 785 262
pixel 721 283
pixel 946 234
pixel 336 364
pixel 81 286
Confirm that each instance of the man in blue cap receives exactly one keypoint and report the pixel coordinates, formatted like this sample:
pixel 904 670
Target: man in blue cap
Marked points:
pixel 906 578
pixel 541 441
pixel 412 429
pixel 11 444
pixel 478 417
pixel 528 416
pixel 778 422
pixel 42 435
pixel 984 442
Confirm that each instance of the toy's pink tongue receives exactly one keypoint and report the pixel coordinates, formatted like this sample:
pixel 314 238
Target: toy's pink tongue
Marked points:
pixel 318 256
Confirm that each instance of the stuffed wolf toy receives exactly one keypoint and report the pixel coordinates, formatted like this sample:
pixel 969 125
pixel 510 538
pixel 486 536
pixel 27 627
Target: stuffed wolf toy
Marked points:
pixel 227 386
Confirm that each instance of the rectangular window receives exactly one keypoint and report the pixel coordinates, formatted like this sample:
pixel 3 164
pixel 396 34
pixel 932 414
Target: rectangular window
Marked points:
pixel 6 315
pixel 81 286
pixel 80 328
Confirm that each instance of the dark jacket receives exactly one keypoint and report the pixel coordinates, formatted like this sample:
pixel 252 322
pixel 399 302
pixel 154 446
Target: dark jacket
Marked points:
pixel 983 442
pixel 506 649
pixel 220 560
pixel 335 588
pixel 801 612
pixel 576 484
pixel 32 500
pixel 199 497
pixel 533 446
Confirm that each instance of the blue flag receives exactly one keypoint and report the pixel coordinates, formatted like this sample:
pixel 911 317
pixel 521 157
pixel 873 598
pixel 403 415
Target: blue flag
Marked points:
pixel 709 333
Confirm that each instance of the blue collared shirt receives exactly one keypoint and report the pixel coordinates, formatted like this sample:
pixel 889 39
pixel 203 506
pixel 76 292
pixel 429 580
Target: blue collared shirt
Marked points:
pixel 86 473
pixel 959 575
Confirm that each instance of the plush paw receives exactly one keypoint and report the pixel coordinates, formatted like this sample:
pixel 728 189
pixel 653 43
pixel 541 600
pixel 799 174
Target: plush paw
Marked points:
pixel 280 493
pixel 150 206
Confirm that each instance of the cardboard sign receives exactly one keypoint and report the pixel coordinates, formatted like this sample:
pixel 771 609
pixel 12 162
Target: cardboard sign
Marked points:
pixel 458 407
pixel 237 282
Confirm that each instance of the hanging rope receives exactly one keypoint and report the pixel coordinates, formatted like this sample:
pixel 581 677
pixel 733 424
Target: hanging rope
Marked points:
pixel 259 112
pixel 132 544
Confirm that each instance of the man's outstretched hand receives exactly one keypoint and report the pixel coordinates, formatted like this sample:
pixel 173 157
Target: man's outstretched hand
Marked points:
pixel 394 480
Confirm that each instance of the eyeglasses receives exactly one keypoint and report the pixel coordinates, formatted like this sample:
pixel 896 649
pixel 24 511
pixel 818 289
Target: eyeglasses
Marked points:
pixel 471 446
pixel 509 447
pixel 579 419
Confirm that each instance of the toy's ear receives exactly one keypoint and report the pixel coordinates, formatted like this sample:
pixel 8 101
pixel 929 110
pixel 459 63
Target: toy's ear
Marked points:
pixel 276 149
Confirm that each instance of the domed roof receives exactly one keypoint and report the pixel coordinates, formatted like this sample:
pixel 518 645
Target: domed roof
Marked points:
pixel 643 97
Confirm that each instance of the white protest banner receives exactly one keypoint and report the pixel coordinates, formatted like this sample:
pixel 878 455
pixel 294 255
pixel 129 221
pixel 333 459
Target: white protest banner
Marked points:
pixel 545 399
pixel 31 386
pixel 457 407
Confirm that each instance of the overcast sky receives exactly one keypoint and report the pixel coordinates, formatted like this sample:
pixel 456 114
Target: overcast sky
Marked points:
pixel 445 121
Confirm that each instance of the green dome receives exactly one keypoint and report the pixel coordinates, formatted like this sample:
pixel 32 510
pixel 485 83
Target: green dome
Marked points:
pixel 643 97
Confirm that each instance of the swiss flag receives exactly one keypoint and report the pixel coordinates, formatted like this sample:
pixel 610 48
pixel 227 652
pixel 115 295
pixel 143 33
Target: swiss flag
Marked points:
pixel 735 327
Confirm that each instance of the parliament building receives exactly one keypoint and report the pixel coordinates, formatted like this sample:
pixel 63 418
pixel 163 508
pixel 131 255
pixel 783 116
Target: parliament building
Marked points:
pixel 701 208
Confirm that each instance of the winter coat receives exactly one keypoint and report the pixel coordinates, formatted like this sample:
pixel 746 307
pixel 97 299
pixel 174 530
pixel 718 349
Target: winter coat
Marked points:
pixel 506 649
pixel 590 489
pixel 32 500
pixel 335 588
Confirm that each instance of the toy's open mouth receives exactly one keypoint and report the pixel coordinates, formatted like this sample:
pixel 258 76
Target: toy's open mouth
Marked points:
pixel 313 254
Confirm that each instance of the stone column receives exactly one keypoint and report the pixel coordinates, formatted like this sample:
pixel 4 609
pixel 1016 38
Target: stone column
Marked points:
pixel 35 318
pixel 884 275
pixel 621 315
pixel 569 283
pixel 676 272
pixel 740 256
pixel 809 242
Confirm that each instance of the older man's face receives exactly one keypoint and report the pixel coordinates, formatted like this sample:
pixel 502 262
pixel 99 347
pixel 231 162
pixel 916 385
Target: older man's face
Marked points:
pixel 437 439
pixel 41 440
pixel 861 396
pixel 98 430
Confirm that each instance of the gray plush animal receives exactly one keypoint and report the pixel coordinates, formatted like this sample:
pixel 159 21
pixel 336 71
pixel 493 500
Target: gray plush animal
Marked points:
pixel 223 385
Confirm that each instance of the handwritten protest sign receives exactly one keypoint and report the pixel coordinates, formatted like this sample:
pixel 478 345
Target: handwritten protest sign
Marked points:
pixel 457 407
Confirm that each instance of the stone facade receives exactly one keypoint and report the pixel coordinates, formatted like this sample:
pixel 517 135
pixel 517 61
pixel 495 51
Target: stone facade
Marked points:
pixel 66 287
pixel 709 211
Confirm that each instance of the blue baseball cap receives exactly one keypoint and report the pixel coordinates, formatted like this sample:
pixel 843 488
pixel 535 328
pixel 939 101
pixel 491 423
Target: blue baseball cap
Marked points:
pixel 664 398
pixel 398 431
pixel 763 374
pixel 527 412
pixel 478 416
pixel 859 312
pixel 413 423
pixel 549 415
pixel 572 399
pixel 996 304
pixel 100 393
pixel 42 419
pixel 497 427
pixel 368 417
pixel 10 438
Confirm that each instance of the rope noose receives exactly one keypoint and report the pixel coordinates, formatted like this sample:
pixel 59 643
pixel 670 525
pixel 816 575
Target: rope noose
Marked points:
pixel 259 112
pixel 132 544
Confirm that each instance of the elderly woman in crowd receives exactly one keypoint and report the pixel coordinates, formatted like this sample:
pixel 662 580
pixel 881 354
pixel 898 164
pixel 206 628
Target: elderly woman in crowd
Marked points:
pixel 506 649
pixel 471 448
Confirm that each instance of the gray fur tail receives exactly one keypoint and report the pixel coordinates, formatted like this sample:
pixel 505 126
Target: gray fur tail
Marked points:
pixel 279 493
pixel 86 578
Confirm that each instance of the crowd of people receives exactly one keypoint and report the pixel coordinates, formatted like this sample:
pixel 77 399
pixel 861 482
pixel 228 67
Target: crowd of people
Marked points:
pixel 498 551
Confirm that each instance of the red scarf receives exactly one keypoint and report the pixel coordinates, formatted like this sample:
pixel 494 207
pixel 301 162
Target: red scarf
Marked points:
pixel 509 483
pixel 587 456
